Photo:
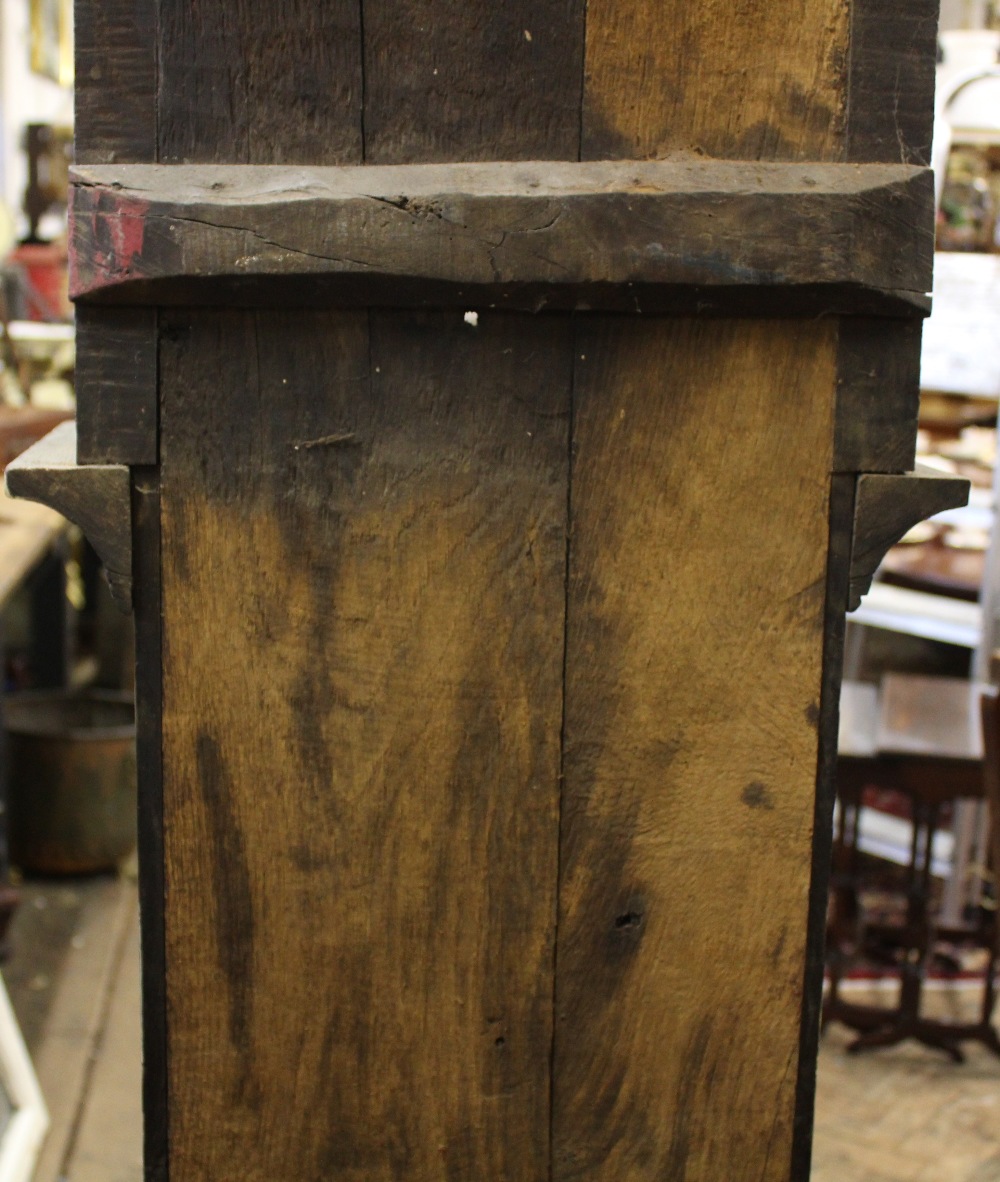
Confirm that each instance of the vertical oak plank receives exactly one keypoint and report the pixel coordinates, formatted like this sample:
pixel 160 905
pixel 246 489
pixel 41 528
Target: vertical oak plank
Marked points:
pixel 893 53
pixel 252 82
pixel 115 46
pixel 115 122
pixel 838 566
pixel 740 81
pixel 363 631
pixel 694 668
pixel 115 81
pixel 116 382
pixel 472 80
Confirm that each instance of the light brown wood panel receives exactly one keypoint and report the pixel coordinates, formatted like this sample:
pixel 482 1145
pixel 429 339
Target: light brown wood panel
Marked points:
pixel 700 490
pixel 741 80
pixel 364 590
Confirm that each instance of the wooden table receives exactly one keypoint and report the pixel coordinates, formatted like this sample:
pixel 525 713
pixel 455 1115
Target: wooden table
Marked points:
pixel 28 531
pixel 920 736
pixel 933 566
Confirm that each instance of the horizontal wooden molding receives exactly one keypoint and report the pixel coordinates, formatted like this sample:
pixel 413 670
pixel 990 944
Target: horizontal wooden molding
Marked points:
pixel 695 236
pixel 96 497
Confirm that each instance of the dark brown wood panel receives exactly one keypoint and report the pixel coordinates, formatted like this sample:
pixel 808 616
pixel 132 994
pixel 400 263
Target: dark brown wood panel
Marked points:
pixel 891 114
pixel 363 595
pixel 697 585
pixel 169 233
pixel 472 80
pixel 115 95
pixel 256 82
pixel 149 761
pixel 116 385
pixel 885 507
pixel 838 561
pixel 878 394
pixel 739 81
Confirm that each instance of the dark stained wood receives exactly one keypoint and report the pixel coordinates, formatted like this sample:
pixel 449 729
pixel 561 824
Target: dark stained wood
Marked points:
pixel 116 385
pixel 362 897
pixel 364 596
pixel 841 530
pixel 149 760
pixel 472 79
pixel 115 97
pixel 696 605
pixel 749 81
pixel 158 230
pixel 990 715
pixel 886 507
pixel 95 497
pixel 891 114
pixel 878 395
pixel 115 122
pixel 254 82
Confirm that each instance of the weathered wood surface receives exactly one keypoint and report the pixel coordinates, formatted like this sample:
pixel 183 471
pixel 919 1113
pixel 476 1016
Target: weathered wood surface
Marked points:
pixel 97 498
pixel 694 669
pixel 115 122
pixel 116 385
pixel 147 610
pixel 886 507
pixel 115 92
pixel 750 81
pixel 117 52
pixel 838 558
pixel 164 234
pixel 476 80
pixel 253 82
pixel 891 84
pixel 878 394
pixel 365 559
pixel 362 898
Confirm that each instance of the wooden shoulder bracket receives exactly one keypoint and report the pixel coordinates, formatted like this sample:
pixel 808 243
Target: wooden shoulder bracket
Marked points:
pixel 97 498
pixel 885 507
pixel 730 237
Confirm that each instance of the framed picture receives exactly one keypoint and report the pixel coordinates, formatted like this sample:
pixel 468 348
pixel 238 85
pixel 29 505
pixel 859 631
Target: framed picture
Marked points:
pixel 52 39
pixel 24 1119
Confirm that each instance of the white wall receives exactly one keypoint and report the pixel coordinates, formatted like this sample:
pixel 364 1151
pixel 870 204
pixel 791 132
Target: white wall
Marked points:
pixel 25 97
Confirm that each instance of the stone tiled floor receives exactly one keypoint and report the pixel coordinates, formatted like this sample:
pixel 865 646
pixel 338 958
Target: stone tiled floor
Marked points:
pixel 908 1114
pixel 900 1115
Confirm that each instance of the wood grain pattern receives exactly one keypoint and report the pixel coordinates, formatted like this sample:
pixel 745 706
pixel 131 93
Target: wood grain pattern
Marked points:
pixel 116 385
pixel 878 394
pixel 737 81
pixel 694 648
pixel 115 92
pixel 891 115
pixel 885 507
pixel 472 79
pixel 839 540
pixel 168 233
pixel 147 602
pixel 260 83
pixel 363 627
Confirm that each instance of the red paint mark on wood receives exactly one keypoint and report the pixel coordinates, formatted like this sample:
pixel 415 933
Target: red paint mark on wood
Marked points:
pixel 107 233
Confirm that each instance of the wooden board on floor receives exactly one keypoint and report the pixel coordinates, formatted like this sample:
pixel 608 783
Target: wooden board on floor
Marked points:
pixel 107 1146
